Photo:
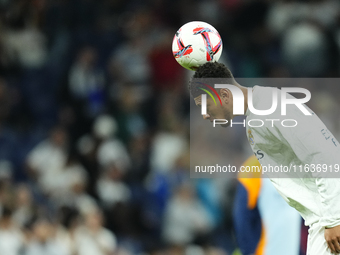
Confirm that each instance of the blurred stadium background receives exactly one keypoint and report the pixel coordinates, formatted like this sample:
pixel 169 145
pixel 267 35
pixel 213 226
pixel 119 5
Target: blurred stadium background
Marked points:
pixel 94 118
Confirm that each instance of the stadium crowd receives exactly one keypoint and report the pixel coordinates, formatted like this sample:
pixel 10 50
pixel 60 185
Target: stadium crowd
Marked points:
pixel 94 117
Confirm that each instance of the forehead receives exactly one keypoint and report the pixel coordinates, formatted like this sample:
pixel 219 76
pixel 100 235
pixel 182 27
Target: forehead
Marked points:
pixel 198 100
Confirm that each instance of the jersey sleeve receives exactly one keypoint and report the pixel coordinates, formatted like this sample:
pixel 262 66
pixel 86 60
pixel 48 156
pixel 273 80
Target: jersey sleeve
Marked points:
pixel 314 145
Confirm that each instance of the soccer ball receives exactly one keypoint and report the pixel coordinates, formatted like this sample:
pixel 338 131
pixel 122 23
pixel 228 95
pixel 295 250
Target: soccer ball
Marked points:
pixel 196 43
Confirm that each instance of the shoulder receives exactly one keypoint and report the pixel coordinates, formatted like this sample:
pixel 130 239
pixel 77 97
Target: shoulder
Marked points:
pixel 265 92
pixel 261 99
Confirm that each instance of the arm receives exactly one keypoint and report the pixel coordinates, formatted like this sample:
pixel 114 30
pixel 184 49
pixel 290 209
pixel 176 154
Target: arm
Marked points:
pixel 312 147
pixel 314 144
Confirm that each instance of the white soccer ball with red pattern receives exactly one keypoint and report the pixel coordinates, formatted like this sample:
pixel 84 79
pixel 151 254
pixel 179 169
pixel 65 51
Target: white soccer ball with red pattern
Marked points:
pixel 196 43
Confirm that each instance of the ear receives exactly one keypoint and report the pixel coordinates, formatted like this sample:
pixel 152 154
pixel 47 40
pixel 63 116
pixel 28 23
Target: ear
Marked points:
pixel 225 95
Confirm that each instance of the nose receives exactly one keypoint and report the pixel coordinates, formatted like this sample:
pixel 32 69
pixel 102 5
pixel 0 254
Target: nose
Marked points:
pixel 206 116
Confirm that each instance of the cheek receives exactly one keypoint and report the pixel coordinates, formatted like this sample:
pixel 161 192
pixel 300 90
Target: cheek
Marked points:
pixel 209 109
pixel 222 113
pixel 215 112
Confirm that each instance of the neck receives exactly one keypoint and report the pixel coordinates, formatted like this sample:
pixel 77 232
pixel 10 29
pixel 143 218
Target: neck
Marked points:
pixel 245 94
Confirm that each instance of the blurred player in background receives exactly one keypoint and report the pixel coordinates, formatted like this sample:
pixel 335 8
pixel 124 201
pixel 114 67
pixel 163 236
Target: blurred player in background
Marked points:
pixel 257 208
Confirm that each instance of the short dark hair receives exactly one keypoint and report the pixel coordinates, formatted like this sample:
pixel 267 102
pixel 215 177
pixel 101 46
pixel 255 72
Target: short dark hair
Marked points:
pixel 209 70
pixel 213 70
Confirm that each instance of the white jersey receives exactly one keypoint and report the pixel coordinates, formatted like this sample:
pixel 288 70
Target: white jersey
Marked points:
pixel 316 198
